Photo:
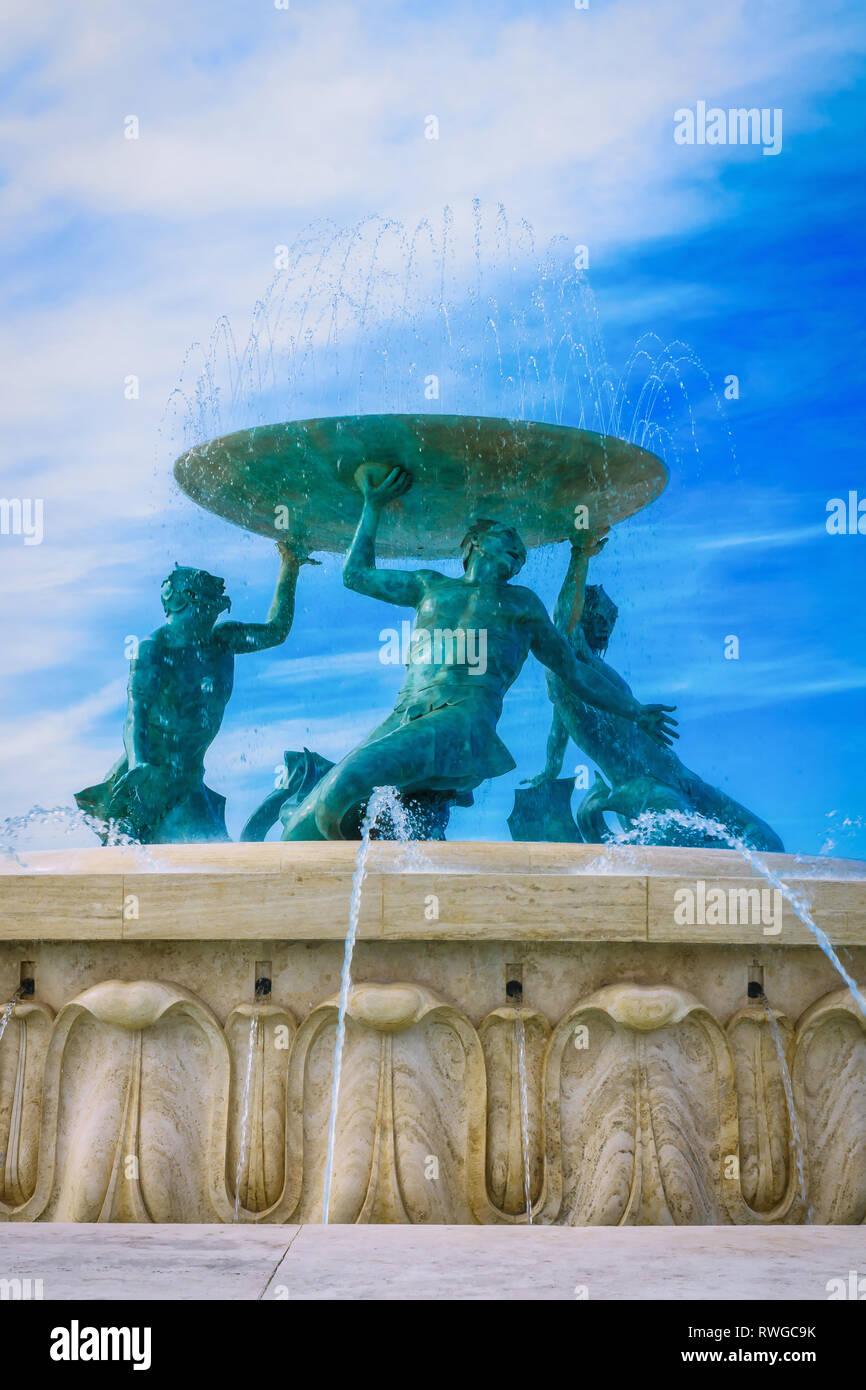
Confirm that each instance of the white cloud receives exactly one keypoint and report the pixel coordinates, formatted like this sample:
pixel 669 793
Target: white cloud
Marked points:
pixel 765 538
pixel 300 669
pixel 325 108
pixel 46 755
pixel 247 749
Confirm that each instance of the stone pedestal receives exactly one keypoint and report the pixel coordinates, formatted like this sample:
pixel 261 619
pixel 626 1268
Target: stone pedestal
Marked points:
pixel 145 1081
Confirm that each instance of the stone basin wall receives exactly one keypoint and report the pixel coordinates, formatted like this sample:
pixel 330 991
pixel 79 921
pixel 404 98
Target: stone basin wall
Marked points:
pixel 145 1081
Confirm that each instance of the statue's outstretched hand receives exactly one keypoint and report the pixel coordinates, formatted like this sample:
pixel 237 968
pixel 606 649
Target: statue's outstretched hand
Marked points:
pixel 655 720
pixel 392 486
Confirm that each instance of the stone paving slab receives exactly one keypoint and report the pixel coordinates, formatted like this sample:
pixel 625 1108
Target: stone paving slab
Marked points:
pixel 558 1262
pixel 114 1261
pixel 431 1262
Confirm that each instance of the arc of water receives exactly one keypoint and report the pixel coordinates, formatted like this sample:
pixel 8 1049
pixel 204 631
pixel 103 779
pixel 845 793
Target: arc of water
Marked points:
pixel 351 311
pixel 649 822
pixel 520 1039
pixel 245 1113
pixel 8 1010
pixel 384 799
pixel 793 1123
pixel 66 818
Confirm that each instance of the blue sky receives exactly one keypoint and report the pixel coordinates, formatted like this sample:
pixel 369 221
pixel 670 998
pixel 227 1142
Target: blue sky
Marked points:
pixel 119 256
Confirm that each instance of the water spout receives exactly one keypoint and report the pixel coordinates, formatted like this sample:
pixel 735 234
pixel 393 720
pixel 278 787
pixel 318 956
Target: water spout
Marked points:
pixel 793 1123
pixel 520 1044
pixel 8 1010
pixel 384 801
pixel 245 1112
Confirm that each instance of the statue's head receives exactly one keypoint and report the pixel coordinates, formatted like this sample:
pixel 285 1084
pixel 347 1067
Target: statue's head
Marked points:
pixel 599 617
pixel 196 591
pixel 496 542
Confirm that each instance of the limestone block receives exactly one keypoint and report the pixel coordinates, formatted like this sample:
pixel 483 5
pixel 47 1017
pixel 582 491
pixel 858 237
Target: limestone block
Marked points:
pixel 771 1143
pixel 134 1109
pixel 506 1120
pixel 154 1095
pixel 410 1126
pixel 640 1112
pixel 259 1038
pixel 22 1059
pixel 830 1087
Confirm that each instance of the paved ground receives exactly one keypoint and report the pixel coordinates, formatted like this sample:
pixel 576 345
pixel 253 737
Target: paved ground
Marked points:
pixel 433 1262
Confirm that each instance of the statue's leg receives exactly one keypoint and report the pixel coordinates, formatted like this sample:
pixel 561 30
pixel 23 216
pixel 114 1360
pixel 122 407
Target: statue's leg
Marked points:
pixel 399 759
pixel 395 761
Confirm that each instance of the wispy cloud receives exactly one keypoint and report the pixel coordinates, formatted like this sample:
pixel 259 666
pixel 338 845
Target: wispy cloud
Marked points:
pixel 334 109
pixel 298 670
pixel 772 539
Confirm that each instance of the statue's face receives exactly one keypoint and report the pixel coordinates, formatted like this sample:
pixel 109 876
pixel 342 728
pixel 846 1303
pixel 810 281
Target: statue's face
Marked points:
pixel 503 546
pixel 196 591
pixel 597 628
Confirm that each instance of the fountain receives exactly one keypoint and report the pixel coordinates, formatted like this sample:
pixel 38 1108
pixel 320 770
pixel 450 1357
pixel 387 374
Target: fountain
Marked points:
pixel 429 485
pixel 379 1078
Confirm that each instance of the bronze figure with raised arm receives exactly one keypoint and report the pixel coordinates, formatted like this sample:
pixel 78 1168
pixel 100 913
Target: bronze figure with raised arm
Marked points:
pixel 471 638
pixel 642 776
pixel 179 684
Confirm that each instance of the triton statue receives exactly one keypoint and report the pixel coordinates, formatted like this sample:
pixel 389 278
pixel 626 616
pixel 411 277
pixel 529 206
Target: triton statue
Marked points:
pixel 643 775
pixel 441 741
pixel 179 685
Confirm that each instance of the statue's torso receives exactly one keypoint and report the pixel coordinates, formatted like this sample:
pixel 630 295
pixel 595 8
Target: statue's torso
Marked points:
pixel 478 640
pixel 193 683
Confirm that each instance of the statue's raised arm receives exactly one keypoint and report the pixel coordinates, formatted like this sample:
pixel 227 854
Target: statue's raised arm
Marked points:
pixel 572 596
pixel 239 638
pixel 403 587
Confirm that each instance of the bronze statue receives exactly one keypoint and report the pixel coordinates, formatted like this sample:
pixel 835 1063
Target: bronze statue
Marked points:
pixel 441 741
pixel 180 681
pixel 643 775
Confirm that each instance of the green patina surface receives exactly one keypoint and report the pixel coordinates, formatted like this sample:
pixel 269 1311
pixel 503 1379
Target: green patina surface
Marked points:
pixel 298 479
pixel 411 486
